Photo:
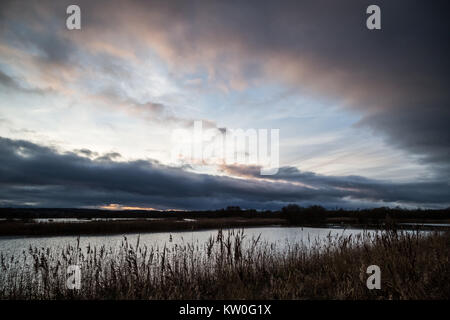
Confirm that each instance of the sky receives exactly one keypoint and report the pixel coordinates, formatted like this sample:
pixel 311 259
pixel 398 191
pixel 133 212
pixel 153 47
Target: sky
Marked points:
pixel 87 116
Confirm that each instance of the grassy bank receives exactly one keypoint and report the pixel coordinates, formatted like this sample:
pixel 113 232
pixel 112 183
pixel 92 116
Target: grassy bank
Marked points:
pixel 231 266
pixel 20 228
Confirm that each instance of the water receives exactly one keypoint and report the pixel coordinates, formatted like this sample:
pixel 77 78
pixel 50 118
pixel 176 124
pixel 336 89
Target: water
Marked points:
pixel 277 235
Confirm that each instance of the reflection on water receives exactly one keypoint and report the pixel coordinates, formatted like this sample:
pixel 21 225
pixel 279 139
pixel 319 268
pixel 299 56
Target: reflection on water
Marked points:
pixel 277 235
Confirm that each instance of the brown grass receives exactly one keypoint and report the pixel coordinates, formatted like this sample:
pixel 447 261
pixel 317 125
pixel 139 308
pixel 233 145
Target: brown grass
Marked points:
pixel 230 266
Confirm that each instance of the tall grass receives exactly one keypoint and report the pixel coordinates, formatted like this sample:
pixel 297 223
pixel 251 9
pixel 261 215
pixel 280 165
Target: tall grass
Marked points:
pixel 232 266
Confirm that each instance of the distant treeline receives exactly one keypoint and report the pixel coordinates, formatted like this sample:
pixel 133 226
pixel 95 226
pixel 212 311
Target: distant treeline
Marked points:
pixel 51 213
pixel 292 213
pixel 317 214
pixel 20 228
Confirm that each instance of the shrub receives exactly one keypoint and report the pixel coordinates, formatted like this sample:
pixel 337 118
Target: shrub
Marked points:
pixel 299 215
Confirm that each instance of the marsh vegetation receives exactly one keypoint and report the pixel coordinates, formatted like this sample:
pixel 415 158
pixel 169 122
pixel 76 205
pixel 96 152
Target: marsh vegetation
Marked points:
pixel 230 265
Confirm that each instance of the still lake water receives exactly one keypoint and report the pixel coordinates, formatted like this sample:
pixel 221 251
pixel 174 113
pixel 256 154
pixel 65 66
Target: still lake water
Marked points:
pixel 280 236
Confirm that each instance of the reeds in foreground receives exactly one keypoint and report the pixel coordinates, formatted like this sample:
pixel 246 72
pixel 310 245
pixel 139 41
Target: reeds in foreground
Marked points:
pixel 230 266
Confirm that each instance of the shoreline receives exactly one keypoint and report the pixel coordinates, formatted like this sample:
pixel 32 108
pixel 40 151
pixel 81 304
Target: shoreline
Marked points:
pixel 34 229
pixel 100 228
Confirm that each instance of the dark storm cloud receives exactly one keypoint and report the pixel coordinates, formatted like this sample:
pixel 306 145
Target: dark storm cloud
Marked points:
pixel 424 131
pixel 41 176
pixel 355 186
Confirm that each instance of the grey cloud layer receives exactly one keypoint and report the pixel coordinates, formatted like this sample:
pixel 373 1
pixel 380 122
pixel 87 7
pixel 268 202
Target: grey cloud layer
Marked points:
pixel 398 78
pixel 41 176
pixel 355 186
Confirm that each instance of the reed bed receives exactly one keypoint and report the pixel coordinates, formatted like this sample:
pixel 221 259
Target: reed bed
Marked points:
pixel 231 266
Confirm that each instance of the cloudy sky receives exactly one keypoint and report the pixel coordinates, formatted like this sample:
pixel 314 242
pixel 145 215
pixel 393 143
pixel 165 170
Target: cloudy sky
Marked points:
pixel 87 116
